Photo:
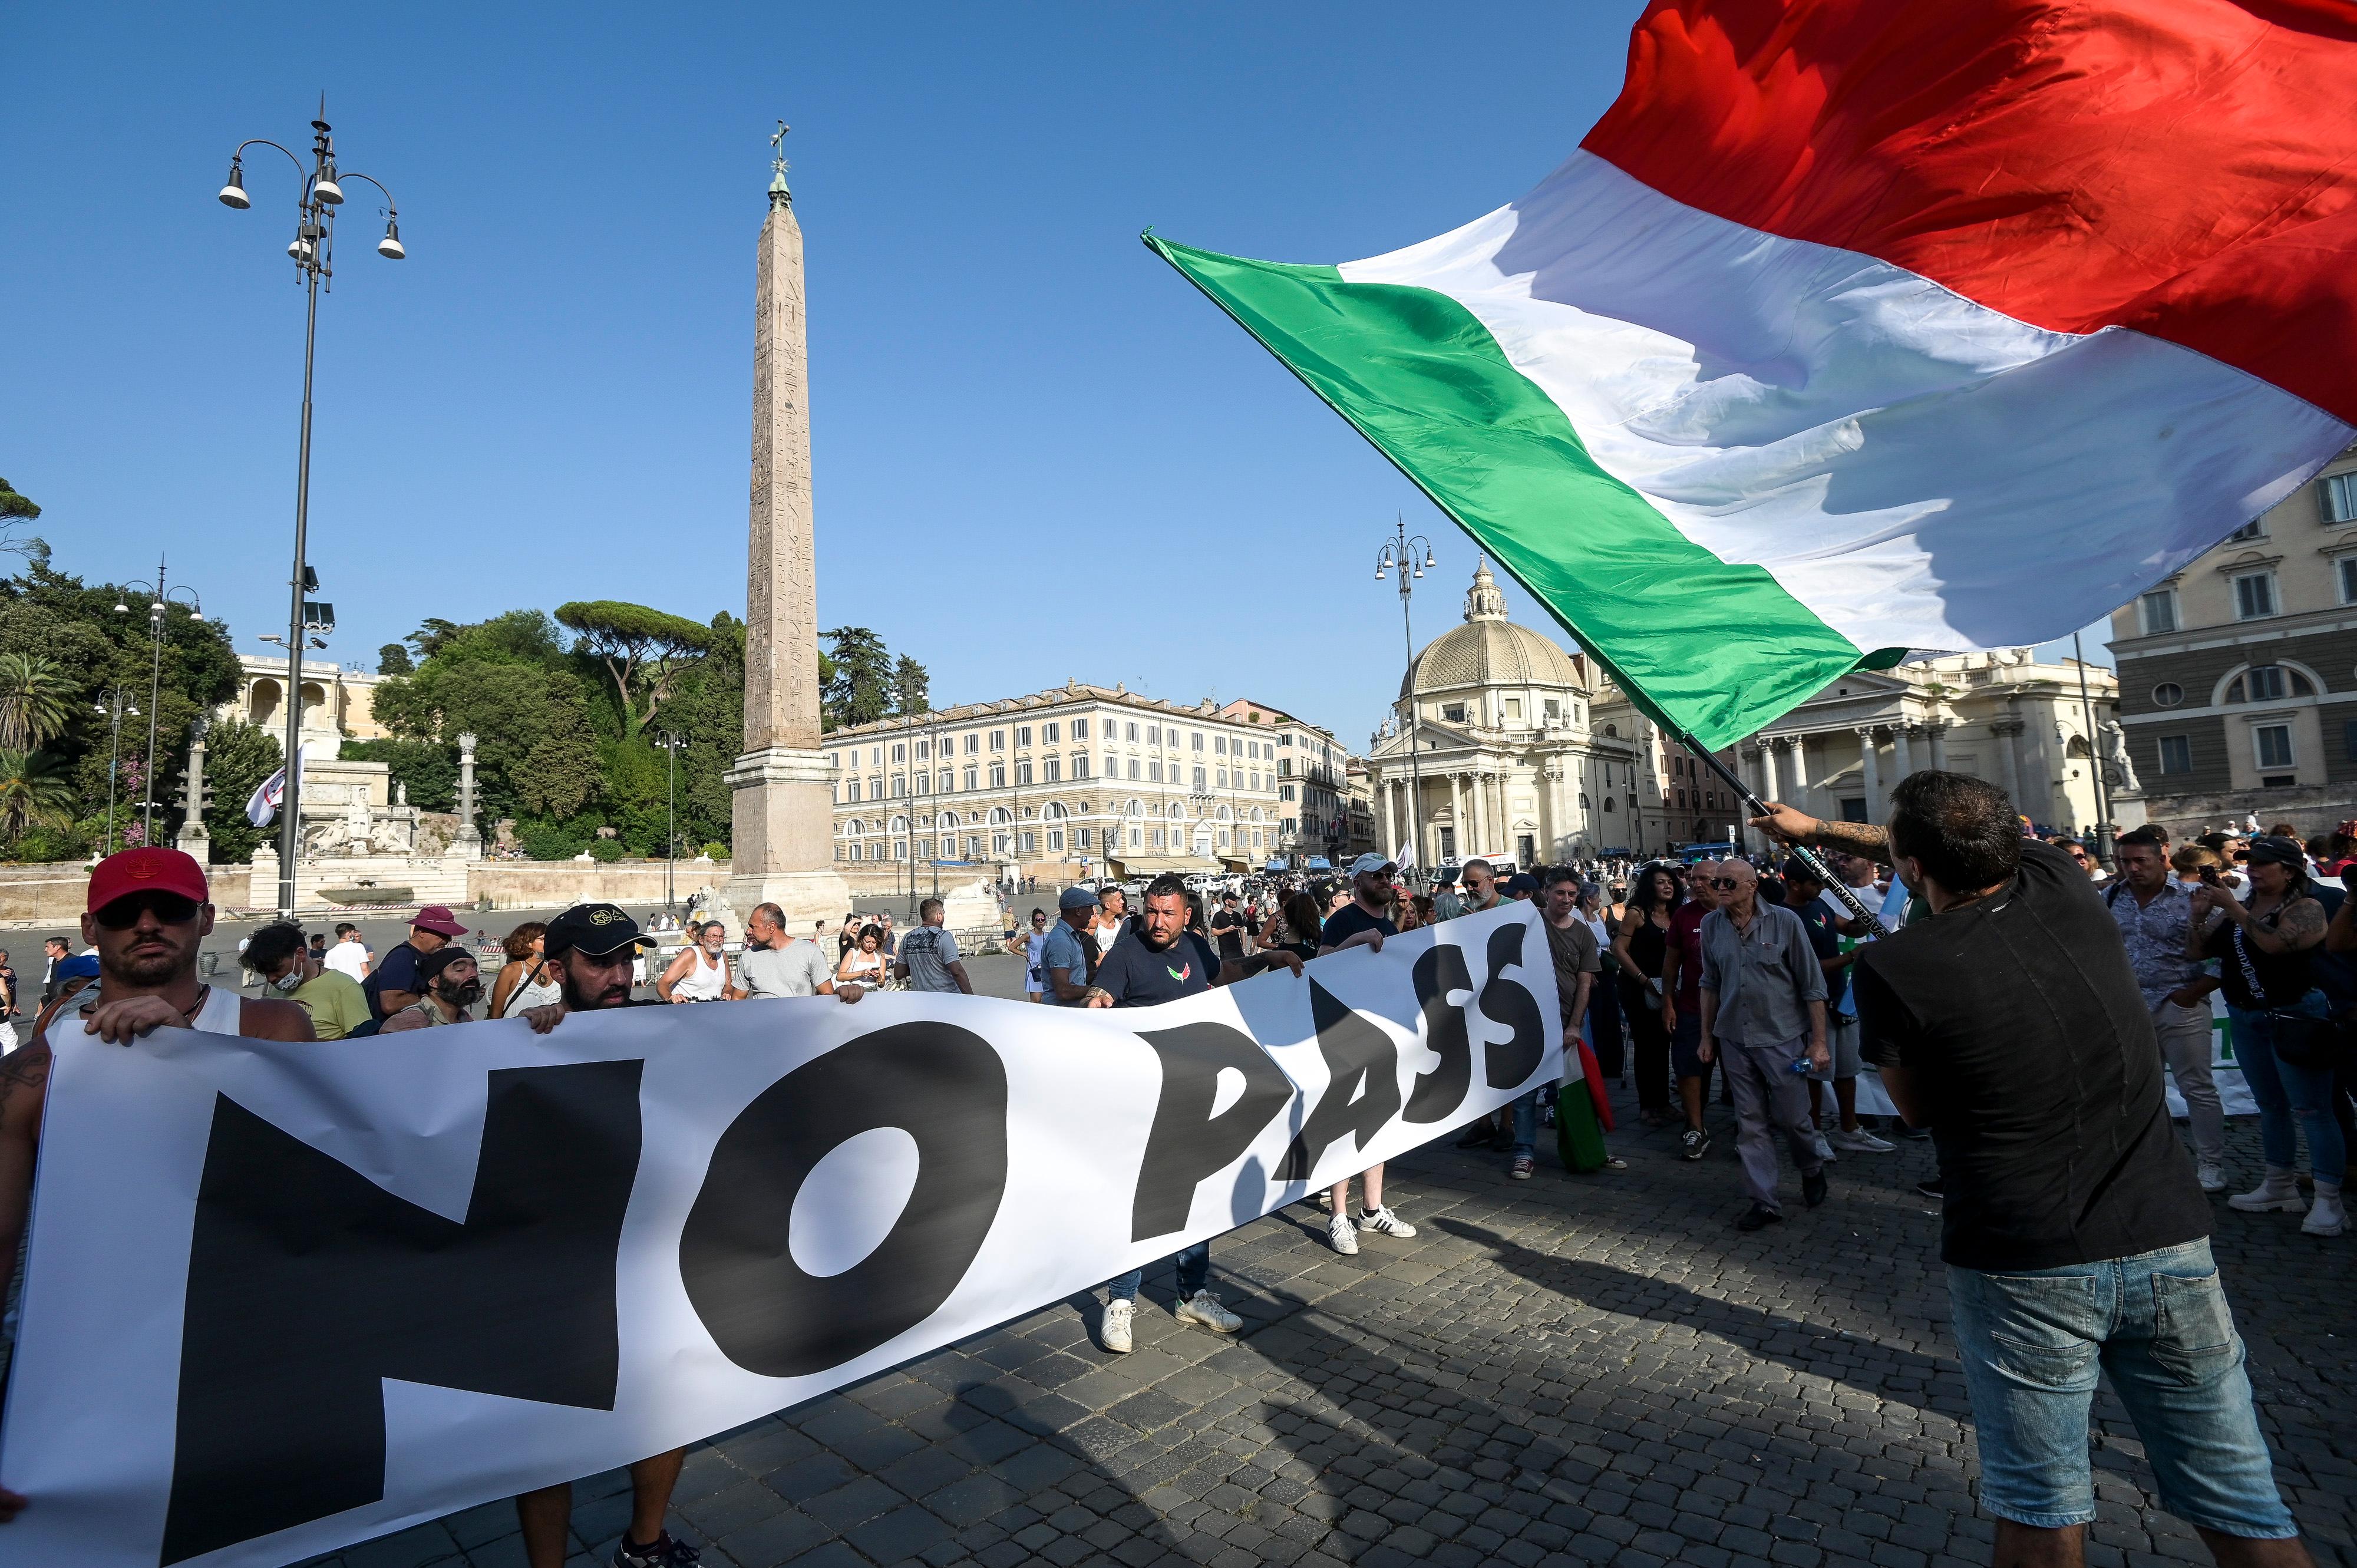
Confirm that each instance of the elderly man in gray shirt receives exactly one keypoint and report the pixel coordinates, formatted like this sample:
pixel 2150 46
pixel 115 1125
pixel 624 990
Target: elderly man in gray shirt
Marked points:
pixel 1764 1007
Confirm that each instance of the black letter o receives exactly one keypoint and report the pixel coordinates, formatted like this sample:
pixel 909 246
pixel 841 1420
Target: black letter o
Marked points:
pixel 944 1086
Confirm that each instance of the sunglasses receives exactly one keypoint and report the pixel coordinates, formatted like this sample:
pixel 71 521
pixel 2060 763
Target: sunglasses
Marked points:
pixel 170 909
pixel 1724 884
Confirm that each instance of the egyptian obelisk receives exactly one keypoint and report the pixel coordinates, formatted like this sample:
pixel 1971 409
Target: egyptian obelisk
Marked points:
pixel 782 816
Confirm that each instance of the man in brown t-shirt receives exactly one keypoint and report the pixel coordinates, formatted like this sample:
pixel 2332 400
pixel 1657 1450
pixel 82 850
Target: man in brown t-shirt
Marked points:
pixel 1572 945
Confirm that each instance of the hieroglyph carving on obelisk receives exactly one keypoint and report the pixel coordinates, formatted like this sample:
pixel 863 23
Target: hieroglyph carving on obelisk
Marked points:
pixel 784 795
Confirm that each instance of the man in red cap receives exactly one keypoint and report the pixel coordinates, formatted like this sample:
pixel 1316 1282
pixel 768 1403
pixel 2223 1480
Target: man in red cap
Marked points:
pixel 394 984
pixel 146 914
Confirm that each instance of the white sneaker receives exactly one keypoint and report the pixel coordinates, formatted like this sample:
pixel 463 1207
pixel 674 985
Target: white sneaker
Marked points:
pixel 2276 1194
pixel 1342 1236
pixel 1204 1307
pixel 1115 1331
pixel 2212 1178
pixel 1858 1141
pixel 1825 1148
pixel 1385 1221
pixel 2325 1217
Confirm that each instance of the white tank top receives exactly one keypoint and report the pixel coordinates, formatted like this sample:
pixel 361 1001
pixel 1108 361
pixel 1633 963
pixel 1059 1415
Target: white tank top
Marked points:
pixel 541 992
pixel 705 983
pixel 222 1011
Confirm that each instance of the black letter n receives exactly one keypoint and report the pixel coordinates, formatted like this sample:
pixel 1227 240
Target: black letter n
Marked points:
pixel 308 1284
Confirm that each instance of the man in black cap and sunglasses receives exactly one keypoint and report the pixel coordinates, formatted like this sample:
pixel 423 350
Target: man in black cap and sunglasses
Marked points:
pixel 589 949
pixel 147 912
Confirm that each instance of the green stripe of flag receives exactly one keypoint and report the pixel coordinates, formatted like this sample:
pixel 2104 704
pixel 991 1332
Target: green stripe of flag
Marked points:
pixel 1718 649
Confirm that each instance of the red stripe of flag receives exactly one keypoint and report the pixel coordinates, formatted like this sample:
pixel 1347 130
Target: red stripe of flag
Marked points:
pixel 2184 168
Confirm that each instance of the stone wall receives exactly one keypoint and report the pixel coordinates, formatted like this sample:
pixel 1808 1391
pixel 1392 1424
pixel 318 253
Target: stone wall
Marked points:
pixel 553 884
pixel 51 896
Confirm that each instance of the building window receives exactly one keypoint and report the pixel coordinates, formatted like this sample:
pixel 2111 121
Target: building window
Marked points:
pixel 2249 531
pixel 998 776
pixel 998 740
pixel 2157 611
pixel 1079 729
pixel 2272 743
pixel 1050 734
pixel 851 788
pixel 1284 793
pixel 947 782
pixel 973 743
pixel 2348 569
pixel 2255 595
pixel 1196 735
pixel 1053 770
pixel 1133 767
pixel 899 784
pixel 1201 778
pixel 1023 772
pixel 2167 694
pixel 900 754
pixel 1514 709
pixel 1553 708
pixel 2340 497
pixel 2176 754
pixel 1454 712
pixel 1133 732
pixel 1022 734
pixel 1080 765
pixel 2268 683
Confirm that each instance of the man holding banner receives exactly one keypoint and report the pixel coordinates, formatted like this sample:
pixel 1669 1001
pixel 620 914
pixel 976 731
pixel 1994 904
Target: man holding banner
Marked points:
pixel 147 911
pixel 1158 960
pixel 590 947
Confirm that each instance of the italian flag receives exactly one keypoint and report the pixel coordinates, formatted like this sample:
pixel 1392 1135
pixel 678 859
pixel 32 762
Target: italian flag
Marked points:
pixel 1865 328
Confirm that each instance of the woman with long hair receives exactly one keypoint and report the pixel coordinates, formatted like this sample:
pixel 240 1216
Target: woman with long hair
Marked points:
pixel 864 964
pixel 1639 947
pixel 1294 927
pixel 525 979
pixel 2266 950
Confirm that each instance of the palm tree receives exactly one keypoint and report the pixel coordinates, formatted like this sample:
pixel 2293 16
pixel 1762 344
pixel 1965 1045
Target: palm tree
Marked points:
pixel 35 697
pixel 34 792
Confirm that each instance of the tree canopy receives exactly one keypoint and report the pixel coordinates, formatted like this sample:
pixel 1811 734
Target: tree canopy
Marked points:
pixel 645 651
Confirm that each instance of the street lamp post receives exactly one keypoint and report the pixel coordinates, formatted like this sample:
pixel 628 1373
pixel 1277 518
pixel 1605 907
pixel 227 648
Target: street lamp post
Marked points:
pixel 673 744
pixel 1399 554
pixel 114 708
pixel 321 193
pixel 159 601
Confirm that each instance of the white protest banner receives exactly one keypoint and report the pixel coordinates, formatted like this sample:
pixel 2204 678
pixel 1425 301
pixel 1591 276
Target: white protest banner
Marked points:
pixel 282 1298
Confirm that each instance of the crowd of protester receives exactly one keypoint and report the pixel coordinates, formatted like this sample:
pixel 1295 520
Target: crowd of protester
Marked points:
pixel 2014 1000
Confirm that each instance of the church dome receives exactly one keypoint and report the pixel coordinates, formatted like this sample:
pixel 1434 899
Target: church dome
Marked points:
pixel 1488 649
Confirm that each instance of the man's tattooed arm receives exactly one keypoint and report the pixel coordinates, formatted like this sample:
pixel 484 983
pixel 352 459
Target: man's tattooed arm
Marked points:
pixel 24 1072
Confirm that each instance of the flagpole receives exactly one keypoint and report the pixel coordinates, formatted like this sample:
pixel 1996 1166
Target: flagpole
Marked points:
pixel 1801 852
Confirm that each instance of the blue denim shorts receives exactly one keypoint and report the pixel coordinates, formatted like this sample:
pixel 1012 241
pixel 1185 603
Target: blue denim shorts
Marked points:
pixel 2033 1344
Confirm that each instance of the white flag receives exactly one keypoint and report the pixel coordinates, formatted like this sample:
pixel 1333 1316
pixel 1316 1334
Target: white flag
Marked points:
pixel 1407 856
pixel 264 806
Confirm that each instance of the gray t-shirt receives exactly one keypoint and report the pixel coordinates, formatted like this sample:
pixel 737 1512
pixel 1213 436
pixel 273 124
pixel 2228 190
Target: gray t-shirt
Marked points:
pixel 798 968
pixel 929 951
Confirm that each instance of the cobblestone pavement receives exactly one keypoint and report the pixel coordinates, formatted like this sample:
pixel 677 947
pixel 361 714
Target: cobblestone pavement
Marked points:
pixel 1565 1371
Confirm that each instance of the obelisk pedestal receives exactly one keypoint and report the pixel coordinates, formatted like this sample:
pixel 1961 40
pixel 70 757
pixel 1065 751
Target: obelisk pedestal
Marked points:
pixel 782 810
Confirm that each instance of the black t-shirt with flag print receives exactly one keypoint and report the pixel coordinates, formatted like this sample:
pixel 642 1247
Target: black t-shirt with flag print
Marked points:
pixel 1134 975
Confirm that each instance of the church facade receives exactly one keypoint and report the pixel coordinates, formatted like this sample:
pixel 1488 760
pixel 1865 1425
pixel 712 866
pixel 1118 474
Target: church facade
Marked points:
pixel 1492 747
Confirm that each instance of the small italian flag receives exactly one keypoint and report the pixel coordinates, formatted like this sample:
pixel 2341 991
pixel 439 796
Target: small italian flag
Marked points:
pixel 1858 328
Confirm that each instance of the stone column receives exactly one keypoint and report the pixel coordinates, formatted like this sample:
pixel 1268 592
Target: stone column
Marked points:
pixel 1481 811
pixel 1938 730
pixel 1390 837
pixel 1769 788
pixel 468 844
pixel 1869 761
pixel 193 839
pixel 1800 744
pixel 2009 757
pixel 783 812
pixel 1899 750
pixel 1456 813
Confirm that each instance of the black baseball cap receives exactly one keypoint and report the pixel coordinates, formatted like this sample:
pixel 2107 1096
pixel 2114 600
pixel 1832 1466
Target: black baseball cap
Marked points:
pixel 594 928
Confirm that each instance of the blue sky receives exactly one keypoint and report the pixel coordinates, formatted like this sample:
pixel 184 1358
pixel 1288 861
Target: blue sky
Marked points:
pixel 1039 452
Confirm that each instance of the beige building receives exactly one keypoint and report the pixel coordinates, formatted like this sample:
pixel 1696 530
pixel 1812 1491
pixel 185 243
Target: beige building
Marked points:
pixel 339 705
pixel 1062 783
pixel 1312 809
pixel 2238 674
pixel 2000 715
pixel 1494 725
